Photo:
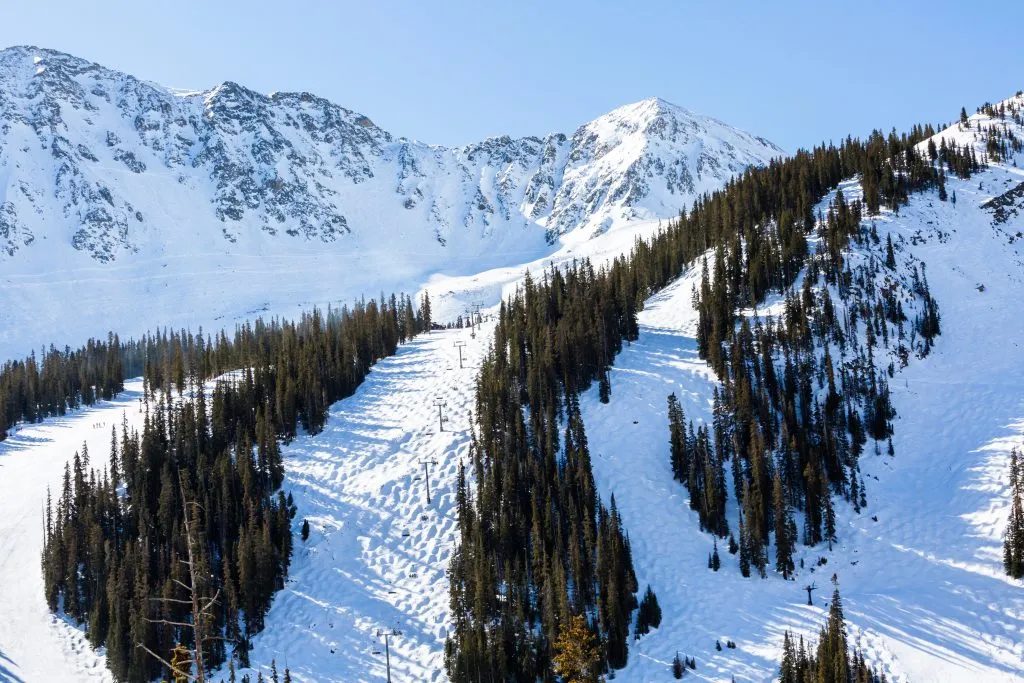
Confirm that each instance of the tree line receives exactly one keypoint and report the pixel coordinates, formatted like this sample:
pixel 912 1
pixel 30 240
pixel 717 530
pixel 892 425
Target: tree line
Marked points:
pixel 57 381
pixel 51 384
pixel 1013 540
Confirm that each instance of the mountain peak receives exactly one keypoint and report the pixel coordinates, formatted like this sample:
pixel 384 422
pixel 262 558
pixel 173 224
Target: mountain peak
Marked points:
pixel 648 110
pixel 259 169
pixel 29 55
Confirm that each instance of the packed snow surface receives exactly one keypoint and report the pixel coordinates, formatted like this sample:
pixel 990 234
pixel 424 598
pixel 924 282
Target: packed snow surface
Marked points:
pixel 36 645
pixel 377 551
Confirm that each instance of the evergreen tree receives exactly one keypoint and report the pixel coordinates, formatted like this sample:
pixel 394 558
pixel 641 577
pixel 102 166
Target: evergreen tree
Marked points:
pixel 649 614
pixel 1013 541
pixel 785 528
pixel 678 668
pixel 577 657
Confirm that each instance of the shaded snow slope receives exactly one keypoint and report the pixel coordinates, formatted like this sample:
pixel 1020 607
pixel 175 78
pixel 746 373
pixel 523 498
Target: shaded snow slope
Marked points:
pixel 114 189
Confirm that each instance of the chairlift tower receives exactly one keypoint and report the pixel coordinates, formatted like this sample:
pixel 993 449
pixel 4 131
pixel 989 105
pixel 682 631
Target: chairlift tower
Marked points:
pixel 809 588
pixel 441 404
pixel 459 344
pixel 387 633
pixel 426 475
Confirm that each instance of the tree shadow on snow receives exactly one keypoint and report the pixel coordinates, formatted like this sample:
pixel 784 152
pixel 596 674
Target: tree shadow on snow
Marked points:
pixel 6 674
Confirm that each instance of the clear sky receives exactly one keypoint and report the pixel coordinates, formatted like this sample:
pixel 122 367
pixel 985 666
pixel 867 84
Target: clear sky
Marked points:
pixel 453 71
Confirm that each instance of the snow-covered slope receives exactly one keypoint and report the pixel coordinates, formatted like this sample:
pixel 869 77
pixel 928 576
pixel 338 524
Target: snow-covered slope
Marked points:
pixel 377 553
pixel 112 183
pixel 35 644
pixel 920 568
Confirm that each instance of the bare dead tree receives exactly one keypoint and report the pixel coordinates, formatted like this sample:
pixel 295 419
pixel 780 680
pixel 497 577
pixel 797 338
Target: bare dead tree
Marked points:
pixel 200 607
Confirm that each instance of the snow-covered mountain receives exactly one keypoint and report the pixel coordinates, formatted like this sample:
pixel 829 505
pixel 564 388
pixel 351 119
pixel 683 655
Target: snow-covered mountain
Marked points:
pixel 89 156
pixel 923 587
pixel 114 190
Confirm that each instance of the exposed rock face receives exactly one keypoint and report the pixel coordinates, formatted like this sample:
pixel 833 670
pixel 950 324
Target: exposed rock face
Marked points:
pixel 88 156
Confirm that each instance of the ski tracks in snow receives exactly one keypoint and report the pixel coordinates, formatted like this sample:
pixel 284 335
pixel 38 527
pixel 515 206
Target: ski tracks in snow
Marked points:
pixel 36 645
pixel 377 553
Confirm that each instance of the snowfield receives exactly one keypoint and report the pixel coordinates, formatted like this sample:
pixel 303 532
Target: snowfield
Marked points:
pixel 115 190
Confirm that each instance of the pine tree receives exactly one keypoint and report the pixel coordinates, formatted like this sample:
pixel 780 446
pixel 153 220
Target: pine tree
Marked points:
pixel 744 550
pixel 785 528
pixel 677 439
pixel 649 614
pixel 1013 541
pixel 426 322
pixel 678 668
pixel 833 656
pixel 577 656
pixel 788 666
pixel 890 255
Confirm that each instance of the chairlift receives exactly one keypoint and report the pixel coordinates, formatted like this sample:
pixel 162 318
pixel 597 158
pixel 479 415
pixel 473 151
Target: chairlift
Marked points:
pixel 405 533
pixel 413 575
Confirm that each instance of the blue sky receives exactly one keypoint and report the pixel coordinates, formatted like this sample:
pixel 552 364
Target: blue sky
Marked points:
pixel 454 72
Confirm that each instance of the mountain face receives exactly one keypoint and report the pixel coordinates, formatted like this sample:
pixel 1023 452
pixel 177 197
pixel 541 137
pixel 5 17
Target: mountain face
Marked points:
pixel 113 166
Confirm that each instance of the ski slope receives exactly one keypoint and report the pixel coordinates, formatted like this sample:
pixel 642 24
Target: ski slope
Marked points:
pixel 361 485
pixel 924 591
pixel 35 645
